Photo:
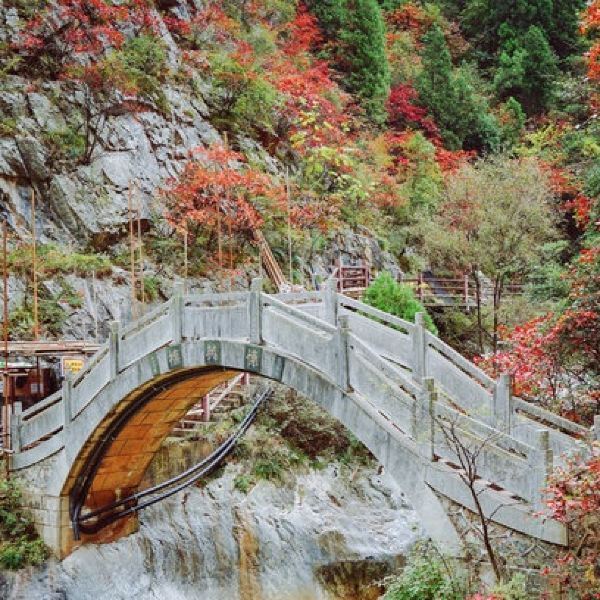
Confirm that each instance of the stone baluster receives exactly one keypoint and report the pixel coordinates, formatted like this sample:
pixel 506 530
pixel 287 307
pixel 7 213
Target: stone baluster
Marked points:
pixel 15 426
pixel 424 418
pixel 177 308
pixel 540 464
pixel 330 303
pixel 419 344
pixel 502 404
pixel 255 311
pixel 67 398
pixel 114 341
pixel 343 332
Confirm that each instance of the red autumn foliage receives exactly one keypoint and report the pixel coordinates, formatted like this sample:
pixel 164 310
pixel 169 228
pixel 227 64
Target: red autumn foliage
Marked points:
pixel 304 33
pixel 574 499
pixel 218 187
pixel 410 17
pixel 82 27
pixel 403 110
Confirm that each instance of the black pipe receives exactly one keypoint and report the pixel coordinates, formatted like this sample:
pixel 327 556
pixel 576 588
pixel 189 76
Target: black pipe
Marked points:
pixel 188 477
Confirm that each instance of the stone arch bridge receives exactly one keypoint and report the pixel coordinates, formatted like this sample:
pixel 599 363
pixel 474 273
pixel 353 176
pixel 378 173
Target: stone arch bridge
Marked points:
pixel 390 382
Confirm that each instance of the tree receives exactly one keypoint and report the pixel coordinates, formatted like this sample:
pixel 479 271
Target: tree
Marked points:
pixel 574 499
pixel 356 31
pixel 490 225
pixel 396 299
pixel 363 36
pixel 527 70
pixel 490 23
pixel 449 96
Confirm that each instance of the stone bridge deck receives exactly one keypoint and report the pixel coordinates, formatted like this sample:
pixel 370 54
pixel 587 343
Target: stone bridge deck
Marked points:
pixel 389 381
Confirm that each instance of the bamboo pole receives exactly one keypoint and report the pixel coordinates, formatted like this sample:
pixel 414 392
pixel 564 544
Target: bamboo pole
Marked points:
pixel 6 387
pixel 185 256
pixel 141 249
pixel 132 254
pixel 36 326
pixel 289 222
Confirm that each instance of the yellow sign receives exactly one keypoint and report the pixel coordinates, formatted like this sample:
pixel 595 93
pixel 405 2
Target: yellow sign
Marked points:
pixel 72 365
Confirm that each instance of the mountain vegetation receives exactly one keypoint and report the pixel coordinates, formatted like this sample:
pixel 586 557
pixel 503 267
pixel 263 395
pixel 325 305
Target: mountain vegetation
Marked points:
pixel 462 135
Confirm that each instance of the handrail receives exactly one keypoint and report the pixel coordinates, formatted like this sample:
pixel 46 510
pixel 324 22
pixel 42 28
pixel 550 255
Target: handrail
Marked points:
pixel 269 300
pixel 387 368
pixel 347 302
pixel 146 319
pixel 530 409
pixel 38 407
pixel 458 360
pixel 102 352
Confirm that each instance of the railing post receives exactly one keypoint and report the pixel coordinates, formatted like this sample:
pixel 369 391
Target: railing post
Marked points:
pixel 15 427
pixel 424 418
pixel 419 343
pixel 114 338
pixel 206 408
pixel 255 311
pixel 597 428
pixel 540 464
pixel 330 303
pixel 67 398
pixel 502 404
pixel 177 308
pixel 342 352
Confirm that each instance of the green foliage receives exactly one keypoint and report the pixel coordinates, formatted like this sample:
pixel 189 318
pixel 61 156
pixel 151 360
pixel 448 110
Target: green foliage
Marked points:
pixel 490 23
pixel 547 280
pixel 527 70
pixel 363 35
pixel 64 144
pixel 19 543
pixel 461 114
pixel 140 66
pixel 396 299
pixel 8 127
pixel 151 288
pixel 426 577
pixel 357 32
pixel 53 260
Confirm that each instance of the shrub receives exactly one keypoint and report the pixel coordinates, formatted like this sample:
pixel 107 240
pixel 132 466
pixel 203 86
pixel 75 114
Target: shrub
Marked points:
pixel 425 578
pixel 19 544
pixel 396 299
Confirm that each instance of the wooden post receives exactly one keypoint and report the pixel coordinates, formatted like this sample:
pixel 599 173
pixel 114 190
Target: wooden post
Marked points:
pixel 36 326
pixel 132 254
pixel 597 428
pixel 6 382
pixel 289 222
pixel 466 288
pixel 420 287
pixel 140 249
pixel 206 408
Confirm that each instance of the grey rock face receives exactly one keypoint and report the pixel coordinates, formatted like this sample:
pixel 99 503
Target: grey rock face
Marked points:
pixel 277 543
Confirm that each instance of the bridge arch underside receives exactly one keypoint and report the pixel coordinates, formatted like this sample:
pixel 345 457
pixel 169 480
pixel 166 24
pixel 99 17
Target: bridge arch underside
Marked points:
pixel 155 402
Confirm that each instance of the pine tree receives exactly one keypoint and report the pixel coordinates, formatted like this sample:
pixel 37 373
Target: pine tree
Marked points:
pixel 527 70
pixel 460 113
pixel 491 23
pixel 364 38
